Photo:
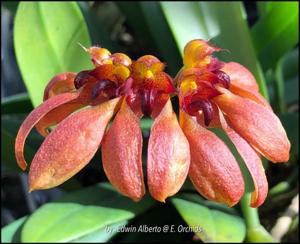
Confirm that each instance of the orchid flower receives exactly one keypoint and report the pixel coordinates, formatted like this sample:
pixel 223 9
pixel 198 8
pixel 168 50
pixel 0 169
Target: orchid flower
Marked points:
pixel 81 106
pixel 214 94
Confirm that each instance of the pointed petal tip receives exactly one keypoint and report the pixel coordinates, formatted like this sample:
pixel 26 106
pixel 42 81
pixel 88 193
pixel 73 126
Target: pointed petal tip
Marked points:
pixel 159 198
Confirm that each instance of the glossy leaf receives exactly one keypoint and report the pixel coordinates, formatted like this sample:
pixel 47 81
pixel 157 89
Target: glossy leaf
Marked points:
pixel 11 233
pixel 102 235
pixel 214 225
pixel 276 32
pixel 75 219
pixel 81 215
pixel 56 29
pixel 215 21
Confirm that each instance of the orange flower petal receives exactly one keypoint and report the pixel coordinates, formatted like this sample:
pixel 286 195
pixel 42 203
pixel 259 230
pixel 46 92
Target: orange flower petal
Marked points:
pixel 257 124
pixel 55 116
pixel 253 163
pixel 240 76
pixel 70 146
pixel 213 170
pixel 33 118
pixel 168 155
pixel 122 154
pixel 250 94
pixel 60 83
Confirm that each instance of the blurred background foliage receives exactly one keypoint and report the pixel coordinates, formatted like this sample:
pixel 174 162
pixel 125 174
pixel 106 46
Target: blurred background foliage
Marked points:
pixel 40 39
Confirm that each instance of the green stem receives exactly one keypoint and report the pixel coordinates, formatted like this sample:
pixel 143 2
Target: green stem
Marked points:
pixel 250 214
pixel 255 231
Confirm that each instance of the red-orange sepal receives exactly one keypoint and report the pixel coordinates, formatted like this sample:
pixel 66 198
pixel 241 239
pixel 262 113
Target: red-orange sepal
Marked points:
pixel 243 83
pixel 168 155
pixel 213 170
pixel 257 124
pixel 55 116
pixel 33 118
pixel 252 162
pixel 70 146
pixel 122 154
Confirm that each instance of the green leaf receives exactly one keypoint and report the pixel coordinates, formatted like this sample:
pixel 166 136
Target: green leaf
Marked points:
pixel 153 31
pixel 276 32
pixel 64 222
pixel 16 104
pixel 213 225
pixel 102 235
pixel 225 23
pixel 81 214
pixel 160 216
pixel 46 36
pixel 190 16
pixel 11 232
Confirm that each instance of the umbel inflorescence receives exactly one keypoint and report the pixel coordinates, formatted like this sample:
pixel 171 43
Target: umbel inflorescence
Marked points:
pixel 212 94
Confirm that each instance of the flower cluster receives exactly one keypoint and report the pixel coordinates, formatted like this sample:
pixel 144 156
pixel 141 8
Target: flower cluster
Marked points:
pixel 212 94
